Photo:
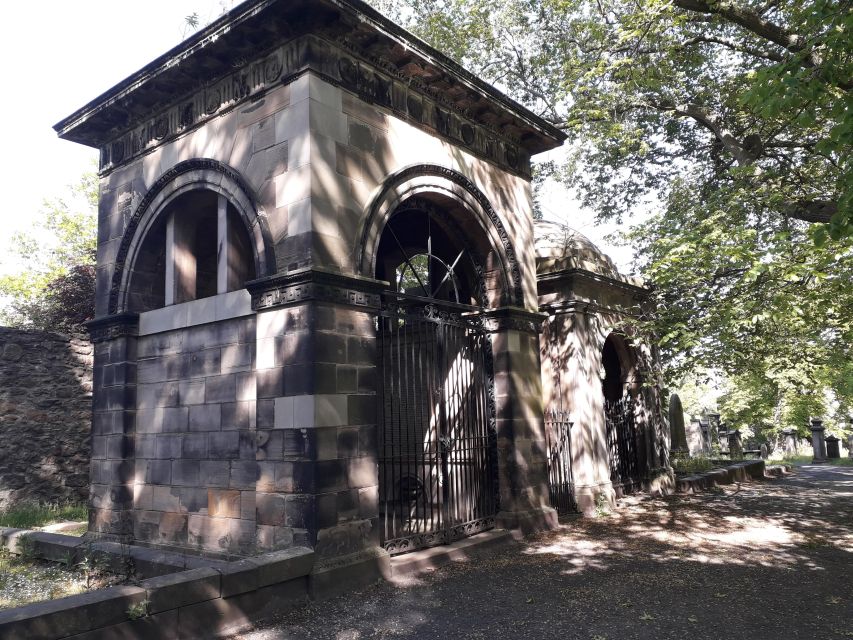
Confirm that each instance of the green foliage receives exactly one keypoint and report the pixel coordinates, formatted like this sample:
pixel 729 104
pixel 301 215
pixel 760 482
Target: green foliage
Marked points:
pixel 139 610
pixel 52 285
pixel 684 465
pixel 732 124
pixel 30 516
pixel 750 97
pixel 602 506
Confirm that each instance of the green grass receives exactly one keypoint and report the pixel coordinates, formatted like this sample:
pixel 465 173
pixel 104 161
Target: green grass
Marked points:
pixel 23 581
pixel 692 465
pixel 29 516
pixel 799 460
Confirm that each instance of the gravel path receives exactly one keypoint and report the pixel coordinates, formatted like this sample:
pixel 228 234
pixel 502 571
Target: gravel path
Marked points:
pixel 762 560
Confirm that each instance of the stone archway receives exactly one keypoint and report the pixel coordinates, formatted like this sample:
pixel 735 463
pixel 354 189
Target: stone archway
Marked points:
pixel 437 437
pixel 626 442
pixel 191 175
pixel 471 212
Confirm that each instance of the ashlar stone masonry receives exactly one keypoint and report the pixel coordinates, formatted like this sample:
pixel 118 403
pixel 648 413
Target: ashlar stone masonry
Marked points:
pixel 317 311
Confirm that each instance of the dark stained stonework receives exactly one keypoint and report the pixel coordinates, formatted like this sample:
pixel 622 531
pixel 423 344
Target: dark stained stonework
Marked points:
pixel 254 182
pixel 45 417
pixel 350 45
pixel 307 284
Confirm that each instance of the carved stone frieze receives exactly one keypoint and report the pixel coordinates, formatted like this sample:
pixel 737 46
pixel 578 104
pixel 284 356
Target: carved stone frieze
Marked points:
pixel 115 326
pixel 375 81
pixel 314 285
pixel 514 319
pixel 218 95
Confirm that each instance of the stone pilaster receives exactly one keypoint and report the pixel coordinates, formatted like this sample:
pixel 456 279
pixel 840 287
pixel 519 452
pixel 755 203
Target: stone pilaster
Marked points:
pixel 113 426
pixel 316 368
pixel 521 444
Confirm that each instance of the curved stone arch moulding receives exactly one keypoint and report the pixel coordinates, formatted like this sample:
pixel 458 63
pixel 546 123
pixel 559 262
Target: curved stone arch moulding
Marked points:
pixel 425 179
pixel 190 175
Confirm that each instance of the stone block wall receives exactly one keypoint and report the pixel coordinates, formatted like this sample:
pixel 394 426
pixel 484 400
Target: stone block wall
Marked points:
pixel 45 416
pixel 195 446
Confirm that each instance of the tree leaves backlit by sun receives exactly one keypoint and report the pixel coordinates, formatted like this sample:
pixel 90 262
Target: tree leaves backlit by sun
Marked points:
pixel 731 123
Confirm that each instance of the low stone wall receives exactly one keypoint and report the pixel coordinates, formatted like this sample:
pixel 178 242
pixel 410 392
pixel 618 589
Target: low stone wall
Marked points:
pixel 735 472
pixel 200 598
pixel 45 416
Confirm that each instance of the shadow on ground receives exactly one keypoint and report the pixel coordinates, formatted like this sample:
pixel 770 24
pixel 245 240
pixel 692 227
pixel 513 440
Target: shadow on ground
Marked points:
pixel 758 560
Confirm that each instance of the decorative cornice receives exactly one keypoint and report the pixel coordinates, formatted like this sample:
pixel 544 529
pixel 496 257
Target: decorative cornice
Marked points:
pixel 339 63
pixel 514 319
pixel 261 26
pixel 590 276
pixel 121 325
pixel 315 285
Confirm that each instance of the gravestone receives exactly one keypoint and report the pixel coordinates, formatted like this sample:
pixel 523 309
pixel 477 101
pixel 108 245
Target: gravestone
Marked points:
pixel 735 445
pixel 676 425
pixel 833 450
pixel 695 441
pixel 790 441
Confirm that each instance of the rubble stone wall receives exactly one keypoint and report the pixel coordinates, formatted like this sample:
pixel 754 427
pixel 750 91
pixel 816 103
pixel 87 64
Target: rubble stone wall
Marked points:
pixel 45 416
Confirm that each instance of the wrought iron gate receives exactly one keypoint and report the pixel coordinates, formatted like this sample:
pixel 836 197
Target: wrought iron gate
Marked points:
pixel 437 443
pixel 626 461
pixel 561 485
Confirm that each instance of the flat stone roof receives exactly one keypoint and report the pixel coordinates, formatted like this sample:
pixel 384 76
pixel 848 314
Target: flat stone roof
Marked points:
pixel 258 26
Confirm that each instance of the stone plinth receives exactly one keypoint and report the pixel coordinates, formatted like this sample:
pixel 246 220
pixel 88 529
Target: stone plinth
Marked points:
pixel 790 441
pixel 818 443
pixel 735 445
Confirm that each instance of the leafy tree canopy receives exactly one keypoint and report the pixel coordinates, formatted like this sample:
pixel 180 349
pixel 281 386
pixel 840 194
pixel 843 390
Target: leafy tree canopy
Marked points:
pixel 751 96
pixel 731 122
pixel 50 276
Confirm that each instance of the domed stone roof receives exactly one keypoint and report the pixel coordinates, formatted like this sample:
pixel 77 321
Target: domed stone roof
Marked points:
pixel 559 247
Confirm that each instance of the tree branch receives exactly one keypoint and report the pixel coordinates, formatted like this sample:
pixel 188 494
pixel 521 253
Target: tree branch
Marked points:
pixel 755 23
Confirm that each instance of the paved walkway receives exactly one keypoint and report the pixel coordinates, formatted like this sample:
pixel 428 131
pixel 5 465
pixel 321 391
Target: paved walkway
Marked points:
pixel 762 560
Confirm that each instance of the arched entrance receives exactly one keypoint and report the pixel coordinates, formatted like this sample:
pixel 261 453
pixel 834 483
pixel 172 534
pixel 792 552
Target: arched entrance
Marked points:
pixel 437 449
pixel 624 442
pixel 190 192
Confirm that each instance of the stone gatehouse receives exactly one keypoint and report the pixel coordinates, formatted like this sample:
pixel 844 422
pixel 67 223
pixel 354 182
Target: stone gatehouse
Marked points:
pixel 318 301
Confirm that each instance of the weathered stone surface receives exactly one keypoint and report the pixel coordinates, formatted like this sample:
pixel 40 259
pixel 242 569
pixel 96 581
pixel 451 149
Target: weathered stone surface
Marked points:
pixel 281 566
pixel 72 615
pixel 181 589
pixel 45 416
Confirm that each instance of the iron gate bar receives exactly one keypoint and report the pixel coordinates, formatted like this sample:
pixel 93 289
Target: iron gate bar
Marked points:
pixel 436 424
pixel 561 484
pixel 626 467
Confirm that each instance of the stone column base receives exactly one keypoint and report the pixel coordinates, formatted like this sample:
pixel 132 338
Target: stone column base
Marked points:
pixel 542 519
pixel 588 497
pixel 661 482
